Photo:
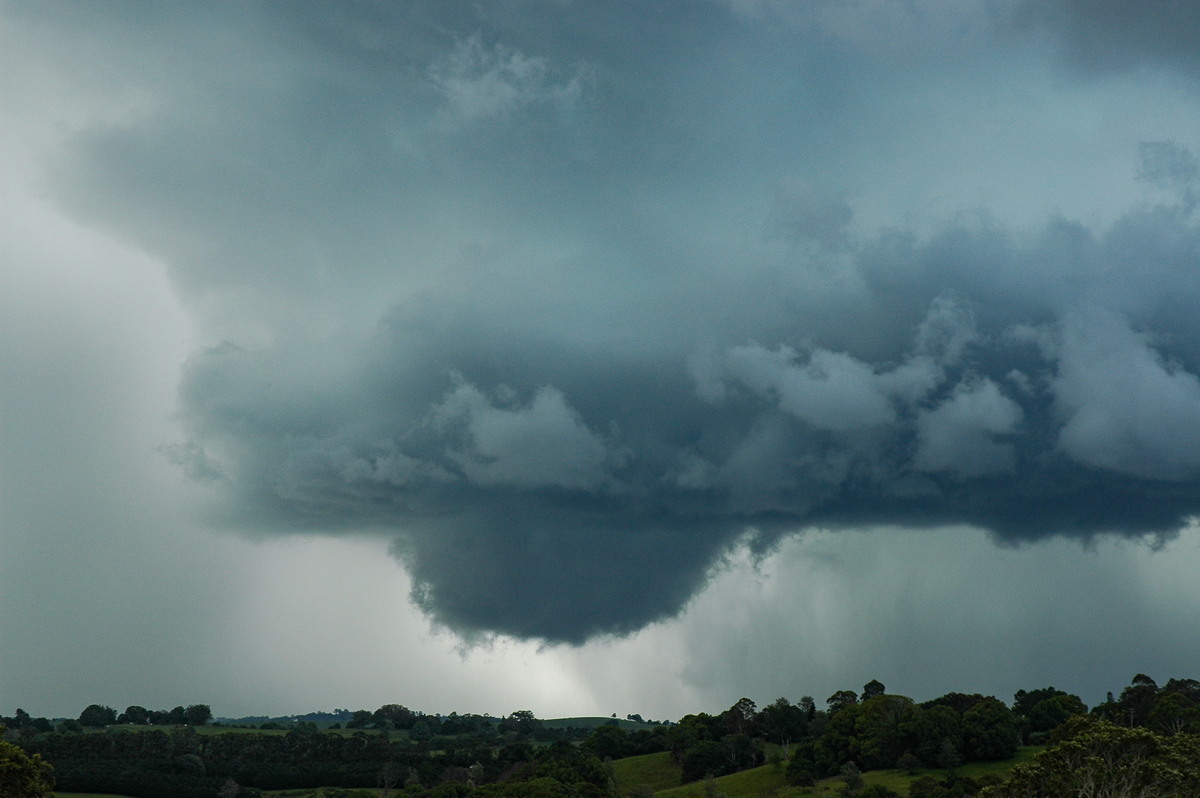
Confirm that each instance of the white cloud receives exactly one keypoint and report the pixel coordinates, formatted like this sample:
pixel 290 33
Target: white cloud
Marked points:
pixel 958 434
pixel 541 444
pixel 1123 406
pixel 828 390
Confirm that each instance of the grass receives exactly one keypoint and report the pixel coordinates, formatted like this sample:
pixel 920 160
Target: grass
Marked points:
pixel 656 771
pixel 768 780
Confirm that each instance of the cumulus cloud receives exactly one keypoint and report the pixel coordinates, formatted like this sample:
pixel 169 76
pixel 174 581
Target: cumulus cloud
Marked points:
pixel 959 435
pixel 1124 406
pixel 543 444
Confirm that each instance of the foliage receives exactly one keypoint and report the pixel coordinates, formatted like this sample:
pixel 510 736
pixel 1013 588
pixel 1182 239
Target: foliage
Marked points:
pixel 21 775
pixel 1096 757
pixel 890 738
pixel 97 715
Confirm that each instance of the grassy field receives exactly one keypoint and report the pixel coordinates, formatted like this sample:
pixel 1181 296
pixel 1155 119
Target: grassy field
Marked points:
pixel 658 772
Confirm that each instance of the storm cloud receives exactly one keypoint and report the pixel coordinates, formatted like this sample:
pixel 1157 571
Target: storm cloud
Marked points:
pixel 567 306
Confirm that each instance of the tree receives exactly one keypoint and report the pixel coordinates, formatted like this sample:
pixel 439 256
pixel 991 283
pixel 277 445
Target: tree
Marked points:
pixel 23 776
pixel 872 689
pixel 1174 714
pixel 800 769
pixel 1098 758
pixel 1136 700
pixel 739 717
pixel 198 714
pixel 705 758
pixel 840 700
pixel 362 719
pixel 1050 713
pixel 880 730
pixel 930 728
pixel 989 732
pixel 609 742
pixel 420 732
pixel 948 758
pixel 852 777
pixel 523 722
pixel 397 715
pixel 136 715
pixel 97 715
pixel 782 722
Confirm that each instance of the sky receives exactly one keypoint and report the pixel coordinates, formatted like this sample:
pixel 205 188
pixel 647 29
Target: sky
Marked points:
pixel 593 358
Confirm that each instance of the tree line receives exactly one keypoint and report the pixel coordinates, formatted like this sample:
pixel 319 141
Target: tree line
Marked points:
pixel 1153 732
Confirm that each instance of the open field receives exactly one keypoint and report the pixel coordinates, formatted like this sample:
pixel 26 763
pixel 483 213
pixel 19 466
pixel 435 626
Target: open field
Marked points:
pixel 659 773
pixel 656 771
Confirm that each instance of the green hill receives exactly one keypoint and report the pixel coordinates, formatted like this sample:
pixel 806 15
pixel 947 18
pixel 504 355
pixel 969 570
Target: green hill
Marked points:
pixel 591 723
pixel 635 774
pixel 661 774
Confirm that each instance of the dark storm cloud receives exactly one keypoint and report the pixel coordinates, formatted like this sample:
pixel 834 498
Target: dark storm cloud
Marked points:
pixel 1118 34
pixel 546 489
pixel 474 280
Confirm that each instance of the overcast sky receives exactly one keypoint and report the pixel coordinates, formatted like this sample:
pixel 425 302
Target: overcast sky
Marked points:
pixel 595 357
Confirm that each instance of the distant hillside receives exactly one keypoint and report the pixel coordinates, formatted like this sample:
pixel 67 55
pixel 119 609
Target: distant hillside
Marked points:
pixel 591 723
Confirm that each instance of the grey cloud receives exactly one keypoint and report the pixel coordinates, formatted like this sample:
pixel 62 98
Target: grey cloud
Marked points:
pixel 543 444
pixel 1124 407
pixel 1113 34
pixel 959 435
pixel 480 83
pixel 561 366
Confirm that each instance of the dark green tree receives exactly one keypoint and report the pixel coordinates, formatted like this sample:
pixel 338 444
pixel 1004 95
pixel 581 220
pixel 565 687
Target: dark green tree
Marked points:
pixel 781 722
pixel 1136 700
pixel 1173 714
pixel 136 715
pixel 989 732
pixel 852 778
pixel 395 716
pixel 609 742
pixel 198 714
pixel 740 717
pixel 705 758
pixel 1098 758
pixel 840 700
pixel 23 776
pixel 928 730
pixel 880 730
pixel 1050 713
pixel 948 757
pixel 97 715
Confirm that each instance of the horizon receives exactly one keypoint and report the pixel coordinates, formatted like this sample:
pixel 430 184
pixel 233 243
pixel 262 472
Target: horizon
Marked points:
pixel 569 356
